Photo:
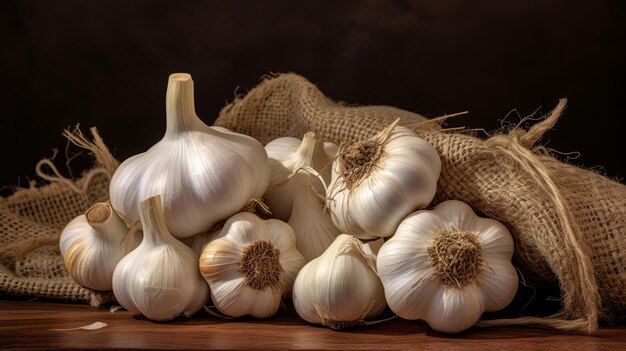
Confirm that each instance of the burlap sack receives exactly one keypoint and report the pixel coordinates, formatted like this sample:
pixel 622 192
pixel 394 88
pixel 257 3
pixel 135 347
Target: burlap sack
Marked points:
pixel 569 224
pixel 32 219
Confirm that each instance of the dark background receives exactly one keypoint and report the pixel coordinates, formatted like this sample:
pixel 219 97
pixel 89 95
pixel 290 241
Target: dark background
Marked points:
pixel 106 63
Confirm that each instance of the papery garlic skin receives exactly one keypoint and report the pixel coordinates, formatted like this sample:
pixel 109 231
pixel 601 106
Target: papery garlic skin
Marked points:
pixel 160 278
pixel 204 174
pixel 251 265
pixel 294 196
pixel 287 155
pixel 92 244
pixel 447 300
pixel 402 177
pixel 340 288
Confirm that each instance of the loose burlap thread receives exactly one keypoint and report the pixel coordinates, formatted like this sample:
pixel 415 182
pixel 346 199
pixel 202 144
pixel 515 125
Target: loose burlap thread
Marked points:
pixel 568 223
pixel 31 221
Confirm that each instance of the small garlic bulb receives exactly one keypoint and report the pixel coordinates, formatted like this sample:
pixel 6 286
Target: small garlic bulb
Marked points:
pixel 160 278
pixel 251 265
pixel 297 199
pixel 199 241
pixel 448 266
pixel 378 181
pixel 204 174
pixel 287 155
pixel 92 244
pixel 340 288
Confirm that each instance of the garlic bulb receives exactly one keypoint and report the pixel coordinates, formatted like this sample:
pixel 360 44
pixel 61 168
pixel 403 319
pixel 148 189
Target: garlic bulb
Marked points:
pixel 204 174
pixel 379 181
pixel 287 155
pixel 160 278
pixel 448 266
pixel 251 265
pixel 296 198
pixel 340 288
pixel 199 241
pixel 92 244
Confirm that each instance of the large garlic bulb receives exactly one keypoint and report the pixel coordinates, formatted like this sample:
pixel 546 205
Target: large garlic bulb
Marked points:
pixel 340 288
pixel 286 156
pixel 448 266
pixel 378 181
pixel 203 174
pixel 92 244
pixel 296 198
pixel 251 265
pixel 160 278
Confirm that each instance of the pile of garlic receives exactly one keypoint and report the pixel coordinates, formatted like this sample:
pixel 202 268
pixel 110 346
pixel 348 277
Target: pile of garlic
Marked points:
pixel 347 230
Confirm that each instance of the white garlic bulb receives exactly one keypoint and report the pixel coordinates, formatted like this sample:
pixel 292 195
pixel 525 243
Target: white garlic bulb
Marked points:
pixel 92 244
pixel 204 174
pixel 340 288
pixel 448 266
pixel 286 156
pixel 297 198
pixel 199 241
pixel 378 181
pixel 160 278
pixel 251 265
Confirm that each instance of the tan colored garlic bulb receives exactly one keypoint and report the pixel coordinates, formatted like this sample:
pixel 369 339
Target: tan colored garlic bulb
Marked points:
pixel 92 244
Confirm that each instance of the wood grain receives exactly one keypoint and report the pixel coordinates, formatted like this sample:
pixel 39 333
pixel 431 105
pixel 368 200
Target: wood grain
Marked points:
pixel 30 325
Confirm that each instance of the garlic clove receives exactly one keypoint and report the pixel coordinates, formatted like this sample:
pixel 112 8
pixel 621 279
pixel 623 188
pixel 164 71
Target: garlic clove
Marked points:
pixel 408 294
pixel 499 282
pixel 280 196
pixel 454 310
pixel 314 229
pixel 494 238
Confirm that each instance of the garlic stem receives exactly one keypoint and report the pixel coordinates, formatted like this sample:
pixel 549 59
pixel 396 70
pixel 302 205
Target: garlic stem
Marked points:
pixel 307 148
pixel 153 221
pixel 102 219
pixel 179 105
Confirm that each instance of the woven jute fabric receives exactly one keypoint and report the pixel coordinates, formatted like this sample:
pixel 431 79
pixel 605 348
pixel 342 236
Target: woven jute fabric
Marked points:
pixel 31 221
pixel 569 224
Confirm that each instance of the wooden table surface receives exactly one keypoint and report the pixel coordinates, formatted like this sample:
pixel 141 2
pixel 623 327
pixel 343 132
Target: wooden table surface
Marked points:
pixel 35 325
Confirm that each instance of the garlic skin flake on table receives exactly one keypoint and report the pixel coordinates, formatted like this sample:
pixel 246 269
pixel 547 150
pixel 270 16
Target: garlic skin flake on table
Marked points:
pixel 160 278
pixel 448 266
pixel 204 174
pixel 251 265
pixel 295 195
pixel 378 181
pixel 92 244
pixel 340 288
